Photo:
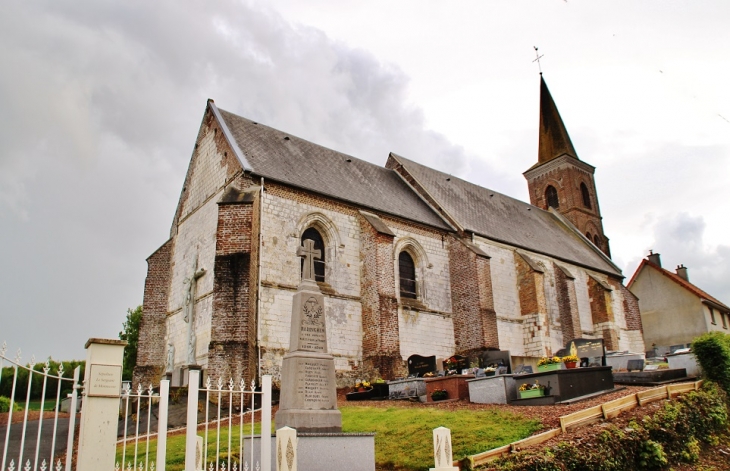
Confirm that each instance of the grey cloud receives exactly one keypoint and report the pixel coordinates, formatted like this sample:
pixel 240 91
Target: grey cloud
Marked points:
pixel 98 119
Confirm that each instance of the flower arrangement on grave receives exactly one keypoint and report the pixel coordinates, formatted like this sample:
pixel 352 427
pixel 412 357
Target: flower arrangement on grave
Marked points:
pixel 570 359
pixel 548 361
pixel 531 386
pixel 490 369
pixel 451 365
pixel 379 380
pixel 439 395
pixel 430 374
pixel 362 386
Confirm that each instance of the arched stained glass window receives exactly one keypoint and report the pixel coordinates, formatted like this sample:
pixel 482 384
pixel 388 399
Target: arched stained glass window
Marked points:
pixel 319 264
pixel 407 275
pixel 586 195
pixel 551 196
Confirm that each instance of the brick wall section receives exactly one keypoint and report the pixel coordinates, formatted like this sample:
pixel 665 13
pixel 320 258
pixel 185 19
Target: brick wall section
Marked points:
pixel 602 313
pixel 567 305
pixel 529 287
pixel 381 336
pixel 631 310
pixel 475 321
pixel 566 179
pixel 151 348
pixel 232 348
pixel 600 302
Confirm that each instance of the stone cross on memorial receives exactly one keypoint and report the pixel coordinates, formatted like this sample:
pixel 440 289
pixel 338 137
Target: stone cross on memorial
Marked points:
pixel 308 253
pixel 189 309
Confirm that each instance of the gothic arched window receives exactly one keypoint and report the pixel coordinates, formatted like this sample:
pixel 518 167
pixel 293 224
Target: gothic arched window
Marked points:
pixel 314 235
pixel 597 240
pixel 407 275
pixel 590 237
pixel 586 195
pixel 551 196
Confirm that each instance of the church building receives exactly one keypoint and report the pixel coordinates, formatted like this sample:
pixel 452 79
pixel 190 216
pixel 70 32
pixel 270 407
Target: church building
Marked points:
pixel 414 261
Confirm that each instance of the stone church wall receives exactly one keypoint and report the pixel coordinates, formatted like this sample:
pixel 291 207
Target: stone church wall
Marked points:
pixel 212 167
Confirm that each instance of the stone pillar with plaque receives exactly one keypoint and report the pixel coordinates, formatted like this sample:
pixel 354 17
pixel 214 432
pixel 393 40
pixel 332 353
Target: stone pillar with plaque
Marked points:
pixel 308 400
pixel 102 390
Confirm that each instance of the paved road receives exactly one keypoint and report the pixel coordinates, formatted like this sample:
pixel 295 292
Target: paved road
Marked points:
pixel 31 434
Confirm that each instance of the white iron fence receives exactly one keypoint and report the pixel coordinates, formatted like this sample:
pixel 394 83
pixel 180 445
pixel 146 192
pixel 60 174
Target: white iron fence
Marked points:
pixel 21 449
pixel 235 407
pixel 220 427
pixel 221 420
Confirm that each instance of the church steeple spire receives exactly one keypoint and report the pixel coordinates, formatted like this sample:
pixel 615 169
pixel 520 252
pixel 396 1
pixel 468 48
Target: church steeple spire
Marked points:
pixel 554 138
pixel 560 180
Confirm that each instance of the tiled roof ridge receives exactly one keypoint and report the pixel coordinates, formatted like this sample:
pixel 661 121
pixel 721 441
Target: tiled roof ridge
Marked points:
pixel 474 185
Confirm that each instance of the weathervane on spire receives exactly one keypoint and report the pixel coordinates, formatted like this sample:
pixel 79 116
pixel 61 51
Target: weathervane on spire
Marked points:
pixel 537 59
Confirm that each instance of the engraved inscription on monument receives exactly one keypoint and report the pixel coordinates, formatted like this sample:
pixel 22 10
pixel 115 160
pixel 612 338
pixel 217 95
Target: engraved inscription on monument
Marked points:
pixel 313 385
pixel 312 334
pixel 105 381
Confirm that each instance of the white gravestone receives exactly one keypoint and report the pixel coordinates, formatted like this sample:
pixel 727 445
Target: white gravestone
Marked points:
pixel 442 452
pixel 308 401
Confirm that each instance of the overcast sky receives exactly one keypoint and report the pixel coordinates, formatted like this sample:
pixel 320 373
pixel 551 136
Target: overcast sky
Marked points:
pixel 100 103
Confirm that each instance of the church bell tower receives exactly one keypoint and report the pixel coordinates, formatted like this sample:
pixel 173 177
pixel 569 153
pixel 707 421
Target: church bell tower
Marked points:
pixel 560 179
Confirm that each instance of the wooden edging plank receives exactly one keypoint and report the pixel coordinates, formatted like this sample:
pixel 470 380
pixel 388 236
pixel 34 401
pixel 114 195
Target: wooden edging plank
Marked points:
pixel 613 408
pixel 584 416
pixel 651 395
pixel 674 389
pixel 536 439
pixel 487 456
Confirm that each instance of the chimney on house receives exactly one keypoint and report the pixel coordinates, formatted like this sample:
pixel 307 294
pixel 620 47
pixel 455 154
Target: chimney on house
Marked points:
pixel 654 258
pixel 682 272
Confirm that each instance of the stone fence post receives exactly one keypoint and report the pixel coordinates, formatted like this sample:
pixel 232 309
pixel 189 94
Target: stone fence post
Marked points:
pixel 100 406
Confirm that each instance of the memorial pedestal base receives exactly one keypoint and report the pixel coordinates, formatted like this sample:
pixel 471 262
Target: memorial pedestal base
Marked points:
pixel 308 400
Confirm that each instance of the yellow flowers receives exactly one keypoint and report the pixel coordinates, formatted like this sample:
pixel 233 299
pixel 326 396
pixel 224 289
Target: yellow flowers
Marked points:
pixel 548 361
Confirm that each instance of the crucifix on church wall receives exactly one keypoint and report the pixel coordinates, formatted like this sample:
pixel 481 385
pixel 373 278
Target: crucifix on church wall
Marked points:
pixel 189 309
pixel 308 253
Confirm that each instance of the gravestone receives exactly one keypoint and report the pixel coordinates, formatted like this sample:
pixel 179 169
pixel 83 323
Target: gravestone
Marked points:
pixel 635 365
pixel 308 401
pixel 590 351
pixel 496 359
pixel 418 365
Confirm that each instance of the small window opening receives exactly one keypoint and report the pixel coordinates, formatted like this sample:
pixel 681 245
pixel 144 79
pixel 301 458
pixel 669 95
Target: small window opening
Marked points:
pixel 586 195
pixel 551 196
pixel 407 275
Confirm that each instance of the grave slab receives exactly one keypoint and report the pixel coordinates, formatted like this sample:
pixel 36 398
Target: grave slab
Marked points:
pixel 492 389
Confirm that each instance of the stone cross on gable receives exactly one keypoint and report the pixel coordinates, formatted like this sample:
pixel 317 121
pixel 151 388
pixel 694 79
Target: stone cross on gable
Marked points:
pixel 308 253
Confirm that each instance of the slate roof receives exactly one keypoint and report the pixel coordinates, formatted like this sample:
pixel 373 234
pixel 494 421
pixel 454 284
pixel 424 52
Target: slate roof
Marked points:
pixel 282 157
pixel 504 219
pixel 680 281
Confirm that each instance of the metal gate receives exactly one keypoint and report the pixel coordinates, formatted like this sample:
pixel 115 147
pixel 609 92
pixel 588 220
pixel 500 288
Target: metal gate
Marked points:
pixel 25 448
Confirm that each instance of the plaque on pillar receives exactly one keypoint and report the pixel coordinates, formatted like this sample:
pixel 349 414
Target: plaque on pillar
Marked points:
pixel 308 401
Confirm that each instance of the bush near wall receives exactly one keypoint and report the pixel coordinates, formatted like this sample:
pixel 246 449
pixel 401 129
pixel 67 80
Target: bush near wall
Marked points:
pixel 5 405
pixel 712 351
pixel 675 434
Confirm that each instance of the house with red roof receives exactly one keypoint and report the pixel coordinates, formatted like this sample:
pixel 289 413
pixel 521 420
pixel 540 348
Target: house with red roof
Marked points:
pixel 673 310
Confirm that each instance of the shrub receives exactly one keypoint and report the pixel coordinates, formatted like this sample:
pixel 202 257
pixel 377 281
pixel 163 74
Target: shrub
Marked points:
pixel 675 433
pixel 712 351
pixel 5 405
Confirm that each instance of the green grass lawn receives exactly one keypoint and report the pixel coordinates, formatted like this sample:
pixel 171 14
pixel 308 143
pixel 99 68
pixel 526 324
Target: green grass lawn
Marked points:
pixel 36 404
pixel 404 436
